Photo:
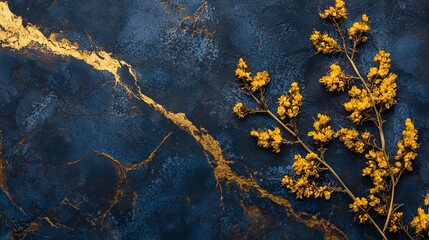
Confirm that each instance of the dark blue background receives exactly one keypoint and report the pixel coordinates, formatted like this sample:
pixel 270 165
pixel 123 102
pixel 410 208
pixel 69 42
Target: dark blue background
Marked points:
pixel 66 109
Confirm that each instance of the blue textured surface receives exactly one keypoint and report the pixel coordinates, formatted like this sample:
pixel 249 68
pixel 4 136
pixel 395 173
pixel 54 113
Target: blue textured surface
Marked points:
pixel 66 110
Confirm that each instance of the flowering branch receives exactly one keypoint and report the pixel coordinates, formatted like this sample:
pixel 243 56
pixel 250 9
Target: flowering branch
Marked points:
pixel 368 100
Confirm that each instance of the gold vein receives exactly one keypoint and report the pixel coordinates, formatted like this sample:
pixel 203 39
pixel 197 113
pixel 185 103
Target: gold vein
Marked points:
pixel 15 36
pixel 121 173
pixel 3 179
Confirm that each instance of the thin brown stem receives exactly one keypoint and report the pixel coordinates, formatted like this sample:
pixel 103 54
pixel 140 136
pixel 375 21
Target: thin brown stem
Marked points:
pixel 408 234
pixel 354 50
pixel 376 226
pixel 379 120
pixel 291 132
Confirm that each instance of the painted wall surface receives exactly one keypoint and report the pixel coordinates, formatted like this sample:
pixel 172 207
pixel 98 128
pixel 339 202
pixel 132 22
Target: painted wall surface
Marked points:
pixel 79 122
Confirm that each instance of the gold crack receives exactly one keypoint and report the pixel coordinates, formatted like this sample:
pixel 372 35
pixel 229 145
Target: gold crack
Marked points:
pixel 15 36
pixel 22 234
pixel 3 179
pixel 133 205
pixel 35 224
pixel 121 172
pixel 48 220
pixel 187 22
pixel 88 217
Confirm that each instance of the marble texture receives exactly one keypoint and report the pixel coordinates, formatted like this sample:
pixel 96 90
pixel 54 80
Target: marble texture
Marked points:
pixel 56 109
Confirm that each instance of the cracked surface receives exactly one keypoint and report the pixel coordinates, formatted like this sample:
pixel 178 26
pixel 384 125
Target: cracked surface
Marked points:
pixel 71 97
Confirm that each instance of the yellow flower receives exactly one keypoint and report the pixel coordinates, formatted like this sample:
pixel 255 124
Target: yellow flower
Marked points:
pixel 260 80
pixel 307 166
pixel 350 138
pixel 327 195
pixel 303 187
pixel 321 133
pixel 358 105
pixel 242 64
pixel 241 71
pixel 426 201
pixel 377 169
pixel 407 147
pixel 395 221
pixel 366 135
pixel 421 221
pixel 335 13
pixel 241 110
pixel 359 206
pixel 385 93
pixel 269 138
pixel 383 82
pixel 336 80
pixel 289 105
pixel 382 58
pixel 324 43
pixel 359 29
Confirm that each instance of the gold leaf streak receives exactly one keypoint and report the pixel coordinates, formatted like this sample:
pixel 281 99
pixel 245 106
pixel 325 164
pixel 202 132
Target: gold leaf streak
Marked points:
pixel 67 202
pixel 88 217
pixel 133 204
pixel 150 157
pixel 35 224
pixel 3 185
pixel 188 24
pixel 121 172
pixel 22 234
pixel 15 36
pixel 47 219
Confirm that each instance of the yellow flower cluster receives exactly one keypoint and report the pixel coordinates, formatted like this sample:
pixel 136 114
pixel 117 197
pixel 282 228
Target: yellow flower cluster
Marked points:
pixel 269 139
pixel 383 88
pixel 321 133
pixel 359 206
pixel 358 30
pixel 426 200
pixel 382 58
pixel 407 147
pixel 289 105
pixel 260 80
pixel 377 170
pixel 242 72
pixel 358 105
pixel 336 80
pixel 303 187
pixel 375 203
pixel 395 221
pixel 385 93
pixel 335 13
pixel 307 166
pixel 350 138
pixel 383 82
pixel 324 43
pixel 421 221
pixel 241 110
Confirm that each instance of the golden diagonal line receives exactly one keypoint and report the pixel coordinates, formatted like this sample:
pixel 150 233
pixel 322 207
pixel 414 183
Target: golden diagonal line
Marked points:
pixel 17 37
